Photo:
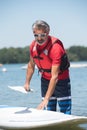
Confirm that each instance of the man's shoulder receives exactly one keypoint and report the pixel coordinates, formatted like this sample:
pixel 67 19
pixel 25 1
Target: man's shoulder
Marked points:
pixel 55 40
pixel 32 45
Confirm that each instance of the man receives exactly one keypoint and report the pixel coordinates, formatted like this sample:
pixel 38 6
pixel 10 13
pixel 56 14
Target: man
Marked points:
pixel 48 53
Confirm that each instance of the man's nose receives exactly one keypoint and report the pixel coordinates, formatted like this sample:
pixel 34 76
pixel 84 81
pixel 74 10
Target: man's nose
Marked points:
pixel 39 38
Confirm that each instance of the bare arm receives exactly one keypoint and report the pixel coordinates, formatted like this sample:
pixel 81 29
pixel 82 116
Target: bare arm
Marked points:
pixel 30 71
pixel 54 72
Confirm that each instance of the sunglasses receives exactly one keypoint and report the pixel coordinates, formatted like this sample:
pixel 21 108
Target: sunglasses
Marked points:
pixel 40 35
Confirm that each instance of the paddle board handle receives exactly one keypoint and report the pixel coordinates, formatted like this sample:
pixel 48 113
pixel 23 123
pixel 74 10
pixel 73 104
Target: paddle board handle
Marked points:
pixel 30 90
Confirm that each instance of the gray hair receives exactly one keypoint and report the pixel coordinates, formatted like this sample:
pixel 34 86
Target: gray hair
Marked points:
pixel 40 24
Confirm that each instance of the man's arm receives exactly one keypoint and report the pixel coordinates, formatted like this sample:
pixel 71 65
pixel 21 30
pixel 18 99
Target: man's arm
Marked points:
pixel 54 72
pixel 30 71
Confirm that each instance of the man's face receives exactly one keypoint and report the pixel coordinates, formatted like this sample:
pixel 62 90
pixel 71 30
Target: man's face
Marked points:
pixel 40 36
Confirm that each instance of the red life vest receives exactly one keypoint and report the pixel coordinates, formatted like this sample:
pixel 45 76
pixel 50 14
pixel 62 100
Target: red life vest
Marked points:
pixel 42 60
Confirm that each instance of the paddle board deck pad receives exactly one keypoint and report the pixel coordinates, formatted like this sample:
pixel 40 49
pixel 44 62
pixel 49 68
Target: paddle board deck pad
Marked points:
pixel 30 118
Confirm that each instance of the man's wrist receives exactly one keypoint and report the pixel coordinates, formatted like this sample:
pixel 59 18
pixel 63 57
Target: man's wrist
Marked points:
pixel 46 98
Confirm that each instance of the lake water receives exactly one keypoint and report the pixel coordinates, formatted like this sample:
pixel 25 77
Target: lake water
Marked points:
pixel 15 76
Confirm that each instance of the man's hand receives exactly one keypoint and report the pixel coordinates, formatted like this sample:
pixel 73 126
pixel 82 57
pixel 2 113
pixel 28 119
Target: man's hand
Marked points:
pixel 43 104
pixel 26 87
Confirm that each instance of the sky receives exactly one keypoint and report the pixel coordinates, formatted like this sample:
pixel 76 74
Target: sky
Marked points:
pixel 67 20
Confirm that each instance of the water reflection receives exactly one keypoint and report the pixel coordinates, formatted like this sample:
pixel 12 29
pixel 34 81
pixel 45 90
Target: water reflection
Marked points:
pixel 83 126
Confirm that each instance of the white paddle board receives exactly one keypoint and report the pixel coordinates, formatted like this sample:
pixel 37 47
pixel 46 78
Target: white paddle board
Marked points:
pixel 27 118
pixel 20 89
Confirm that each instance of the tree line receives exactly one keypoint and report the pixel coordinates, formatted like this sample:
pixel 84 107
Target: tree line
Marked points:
pixel 21 54
pixel 14 55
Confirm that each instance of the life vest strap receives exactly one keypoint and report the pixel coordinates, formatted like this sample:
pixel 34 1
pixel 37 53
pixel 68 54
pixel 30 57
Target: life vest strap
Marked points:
pixel 38 57
pixel 44 70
